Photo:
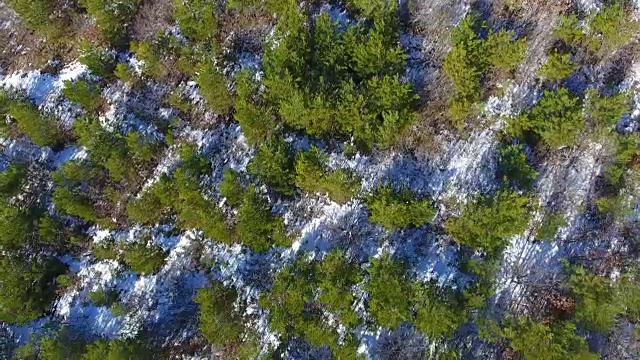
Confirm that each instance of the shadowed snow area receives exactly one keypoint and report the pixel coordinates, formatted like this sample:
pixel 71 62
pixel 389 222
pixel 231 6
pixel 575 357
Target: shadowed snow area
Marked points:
pixel 460 170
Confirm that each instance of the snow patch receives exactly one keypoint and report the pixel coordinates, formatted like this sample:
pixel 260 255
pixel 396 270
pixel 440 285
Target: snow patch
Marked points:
pixel 45 90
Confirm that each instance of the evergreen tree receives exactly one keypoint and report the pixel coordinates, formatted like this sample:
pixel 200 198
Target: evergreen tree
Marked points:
pixel 513 167
pixel 539 341
pixel 112 18
pixel 557 118
pixel 336 279
pixel 274 164
pixel 219 321
pixel 398 209
pixel 598 304
pixel 213 88
pixel 152 206
pixel 99 61
pixel 83 93
pixel 487 222
pixel 39 15
pixel 26 287
pixel 558 66
pixel 42 130
pixel 144 259
pixel 12 179
pixel 194 211
pixel 389 291
pixel 503 51
pixel 606 111
pixel 257 227
pixel 611 27
pixel 568 30
pixel 255 120
pixel 313 176
pixel 197 19
pixel 151 64
pixel 438 311
pixel 231 188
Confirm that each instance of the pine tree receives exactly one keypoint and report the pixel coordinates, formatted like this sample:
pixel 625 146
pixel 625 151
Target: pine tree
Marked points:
pixel 398 209
pixel 218 319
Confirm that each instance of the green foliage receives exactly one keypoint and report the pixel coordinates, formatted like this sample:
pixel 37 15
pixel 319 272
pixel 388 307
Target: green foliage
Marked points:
pixel 336 279
pixel 597 305
pixel 219 322
pixel 64 281
pixel 151 206
pixel 550 224
pixel 257 227
pixel 41 129
pixel 12 180
pixel 256 121
pixel 39 15
pixel 213 88
pixel 16 225
pixel 180 102
pixel 627 149
pixel 144 259
pixel 375 9
pixel 106 250
pixel 50 230
pixel 557 118
pixel 55 348
pixel 389 290
pixel 568 30
pixel 558 66
pixel 438 311
pixel 70 193
pixel 514 168
pixel 99 61
pixel 112 18
pixel 306 289
pixel 628 294
pixel 74 202
pixel 274 164
pixel 398 209
pixel 291 290
pixel 471 57
pixel 466 63
pixel 26 287
pixel 122 156
pixel 117 350
pixel 195 211
pixel 84 93
pixel 197 19
pixel 312 176
pixel 249 348
pixel 139 147
pixel 606 111
pixel 611 28
pixel 614 207
pixel 503 51
pixel 124 73
pixel 58 345
pixel 103 297
pixel 335 82
pixel 119 309
pixel 4 108
pixel 231 187
pixel 487 222
pixel 145 51
pixel 538 341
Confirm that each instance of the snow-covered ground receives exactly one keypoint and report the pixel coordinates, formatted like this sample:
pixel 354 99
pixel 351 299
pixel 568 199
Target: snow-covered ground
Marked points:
pixel 461 169
pixel 45 90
